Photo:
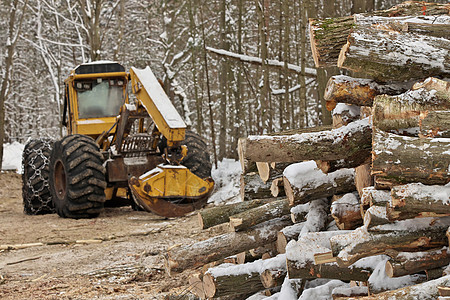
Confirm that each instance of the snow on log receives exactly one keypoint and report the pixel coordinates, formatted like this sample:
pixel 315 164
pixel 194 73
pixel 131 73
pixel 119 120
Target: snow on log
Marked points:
pixel 345 293
pixel 180 258
pixel 252 187
pixel 301 264
pixel 304 182
pixel 227 279
pixel 375 216
pixel 221 214
pixel 405 263
pixel 358 91
pixel 424 291
pixel 288 234
pixel 341 143
pixel 346 212
pixel 407 111
pixel 299 213
pixel 400 160
pixel 311 72
pixel 344 114
pixel 386 49
pixel 329 35
pixel 257 215
pixel 415 199
pixel 407 235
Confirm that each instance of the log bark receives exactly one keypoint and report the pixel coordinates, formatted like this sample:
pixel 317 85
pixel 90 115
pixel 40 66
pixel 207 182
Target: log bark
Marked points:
pixel 363 178
pixel 394 52
pixel 191 256
pixel 434 124
pixel 358 91
pixel 257 215
pixel 405 263
pixel 407 111
pixel 400 160
pixel 300 260
pixel 252 187
pixel 227 279
pixel 420 235
pixel 418 200
pixel 425 291
pixel 303 182
pixel 335 144
pixel 346 212
pixel 328 36
pixel 221 214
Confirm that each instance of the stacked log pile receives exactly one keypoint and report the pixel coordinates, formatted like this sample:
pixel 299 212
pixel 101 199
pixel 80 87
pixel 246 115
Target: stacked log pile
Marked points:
pixel 365 202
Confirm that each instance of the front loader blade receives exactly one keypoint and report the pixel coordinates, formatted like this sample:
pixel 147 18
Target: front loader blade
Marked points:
pixel 171 191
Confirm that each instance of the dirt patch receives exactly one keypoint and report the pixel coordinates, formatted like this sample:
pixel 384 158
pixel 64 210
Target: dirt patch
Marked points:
pixel 117 255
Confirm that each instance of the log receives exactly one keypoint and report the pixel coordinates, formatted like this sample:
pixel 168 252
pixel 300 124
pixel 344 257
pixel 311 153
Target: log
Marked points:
pixel 277 187
pixel 257 215
pixel 358 91
pixel 180 258
pixel 363 178
pixel 299 212
pixel 252 187
pixel 304 182
pixel 247 166
pixel 343 114
pixel 408 235
pixel 329 35
pixel 434 124
pixel 349 293
pixel 335 144
pixel 398 160
pixel 196 285
pixel 418 199
pixel 375 216
pixel 387 50
pixel 300 260
pixel 288 234
pixel 350 162
pixel 405 111
pixel 346 212
pixel 270 171
pixel 221 214
pixel 406 263
pixel 225 280
pixel 424 291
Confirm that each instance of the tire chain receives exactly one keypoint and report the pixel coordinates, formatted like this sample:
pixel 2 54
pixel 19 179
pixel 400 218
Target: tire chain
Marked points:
pixel 46 204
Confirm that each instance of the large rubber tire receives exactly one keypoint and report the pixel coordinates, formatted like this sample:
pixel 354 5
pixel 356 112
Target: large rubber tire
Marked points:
pixel 77 177
pixel 36 195
pixel 197 159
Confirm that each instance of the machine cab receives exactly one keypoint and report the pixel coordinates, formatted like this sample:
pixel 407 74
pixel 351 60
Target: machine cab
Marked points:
pixel 94 93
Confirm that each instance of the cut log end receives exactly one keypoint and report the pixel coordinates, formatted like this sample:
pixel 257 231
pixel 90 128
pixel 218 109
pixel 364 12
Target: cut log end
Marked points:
pixel 289 191
pixel 209 286
pixel 263 170
pixel 342 54
pixel 389 269
pixel 200 221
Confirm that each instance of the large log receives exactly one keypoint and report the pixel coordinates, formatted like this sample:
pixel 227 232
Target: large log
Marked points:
pixel 405 263
pixel 257 215
pixel 221 214
pixel 400 160
pixel 335 144
pixel 304 182
pixel 180 258
pixel 329 35
pixel 346 212
pixel 300 259
pixel 407 111
pixel 358 91
pixel 408 235
pixel 387 50
pixel 424 291
pixel 416 199
pixel 225 280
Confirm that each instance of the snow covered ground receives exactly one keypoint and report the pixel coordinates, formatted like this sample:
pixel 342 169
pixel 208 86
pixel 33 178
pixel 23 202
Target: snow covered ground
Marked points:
pixel 226 175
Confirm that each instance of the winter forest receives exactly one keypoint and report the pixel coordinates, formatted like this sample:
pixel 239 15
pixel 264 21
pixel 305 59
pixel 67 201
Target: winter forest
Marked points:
pixel 231 67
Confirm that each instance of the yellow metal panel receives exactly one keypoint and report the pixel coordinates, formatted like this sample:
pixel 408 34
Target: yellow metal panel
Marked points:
pixel 99 75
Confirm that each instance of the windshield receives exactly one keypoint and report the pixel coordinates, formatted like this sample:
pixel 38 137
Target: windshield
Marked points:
pixel 99 99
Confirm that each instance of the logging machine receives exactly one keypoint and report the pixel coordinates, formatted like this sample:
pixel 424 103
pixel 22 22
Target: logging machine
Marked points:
pixel 116 148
